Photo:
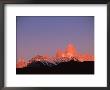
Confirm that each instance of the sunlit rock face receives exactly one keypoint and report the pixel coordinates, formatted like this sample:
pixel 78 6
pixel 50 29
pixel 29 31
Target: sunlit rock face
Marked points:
pixel 39 58
pixel 86 57
pixel 70 51
pixel 59 53
pixel 21 63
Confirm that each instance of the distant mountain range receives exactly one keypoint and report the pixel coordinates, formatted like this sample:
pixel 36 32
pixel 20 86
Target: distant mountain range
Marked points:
pixel 70 67
pixel 67 62
pixel 45 61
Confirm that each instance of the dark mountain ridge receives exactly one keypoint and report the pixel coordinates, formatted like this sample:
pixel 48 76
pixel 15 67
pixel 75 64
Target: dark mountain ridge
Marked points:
pixel 70 67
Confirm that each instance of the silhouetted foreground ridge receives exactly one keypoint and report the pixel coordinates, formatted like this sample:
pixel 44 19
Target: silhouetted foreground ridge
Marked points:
pixel 70 67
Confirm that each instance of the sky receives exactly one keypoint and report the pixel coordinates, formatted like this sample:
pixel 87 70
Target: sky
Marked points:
pixel 43 35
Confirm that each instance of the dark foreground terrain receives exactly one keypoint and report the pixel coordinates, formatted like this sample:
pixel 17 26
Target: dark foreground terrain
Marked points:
pixel 70 67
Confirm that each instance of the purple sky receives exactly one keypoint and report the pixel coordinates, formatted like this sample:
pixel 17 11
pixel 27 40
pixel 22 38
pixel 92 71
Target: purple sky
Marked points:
pixel 44 34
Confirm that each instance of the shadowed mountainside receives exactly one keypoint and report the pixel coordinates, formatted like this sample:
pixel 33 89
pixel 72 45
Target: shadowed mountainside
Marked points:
pixel 70 67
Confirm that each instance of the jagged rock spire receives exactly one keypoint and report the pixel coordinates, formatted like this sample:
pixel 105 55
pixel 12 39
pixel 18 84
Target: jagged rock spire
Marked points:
pixel 70 50
pixel 59 53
